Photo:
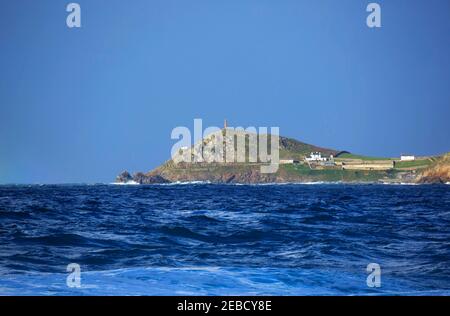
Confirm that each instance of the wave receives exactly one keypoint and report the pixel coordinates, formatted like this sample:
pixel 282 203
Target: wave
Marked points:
pixel 187 182
pixel 203 280
pixel 402 183
pixel 320 183
pixel 125 183
pixel 217 183
pixel 293 183
pixel 162 184
pixel 304 235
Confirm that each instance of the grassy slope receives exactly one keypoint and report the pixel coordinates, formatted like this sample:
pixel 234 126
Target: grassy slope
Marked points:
pixel 334 175
pixel 353 156
pixel 294 149
pixel 414 163
pixel 291 148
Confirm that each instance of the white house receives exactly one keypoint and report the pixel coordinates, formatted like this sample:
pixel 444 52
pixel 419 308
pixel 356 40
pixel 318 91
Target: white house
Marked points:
pixel 316 156
pixel 407 158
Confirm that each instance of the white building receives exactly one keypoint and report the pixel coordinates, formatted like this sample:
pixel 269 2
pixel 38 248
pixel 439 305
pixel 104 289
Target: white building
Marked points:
pixel 407 158
pixel 316 156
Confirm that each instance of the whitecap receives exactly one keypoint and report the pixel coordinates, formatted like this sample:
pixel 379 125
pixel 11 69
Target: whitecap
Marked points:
pixel 125 183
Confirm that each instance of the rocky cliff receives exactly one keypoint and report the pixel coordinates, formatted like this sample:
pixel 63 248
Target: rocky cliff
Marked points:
pixel 439 172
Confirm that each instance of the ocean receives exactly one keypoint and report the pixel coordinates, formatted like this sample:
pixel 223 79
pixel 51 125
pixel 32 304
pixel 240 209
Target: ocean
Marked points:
pixel 210 239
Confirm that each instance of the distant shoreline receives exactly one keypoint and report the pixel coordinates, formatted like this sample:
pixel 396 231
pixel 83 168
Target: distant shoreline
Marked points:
pixel 295 162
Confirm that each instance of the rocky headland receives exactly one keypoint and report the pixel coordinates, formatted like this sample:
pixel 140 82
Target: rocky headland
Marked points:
pixel 294 168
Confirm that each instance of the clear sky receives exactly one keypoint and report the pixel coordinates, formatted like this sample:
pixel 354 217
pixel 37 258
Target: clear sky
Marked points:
pixel 81 105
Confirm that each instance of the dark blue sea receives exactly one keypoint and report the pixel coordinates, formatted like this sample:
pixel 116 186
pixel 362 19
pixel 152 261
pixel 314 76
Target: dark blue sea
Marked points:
pixel 206 239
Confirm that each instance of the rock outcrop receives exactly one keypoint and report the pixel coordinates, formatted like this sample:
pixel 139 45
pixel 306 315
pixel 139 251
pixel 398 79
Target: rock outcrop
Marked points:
pixel 142 178
pixel 124 177
pixel 176 170
pixel 139 177
pixel 437 173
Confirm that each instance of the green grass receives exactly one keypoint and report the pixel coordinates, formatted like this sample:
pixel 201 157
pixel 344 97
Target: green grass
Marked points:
pixel 353 156
pixel 413 164
pixel 333 175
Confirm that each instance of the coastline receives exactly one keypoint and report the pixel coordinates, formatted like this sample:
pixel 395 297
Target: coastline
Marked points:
pixel 436 170
pixel 277 183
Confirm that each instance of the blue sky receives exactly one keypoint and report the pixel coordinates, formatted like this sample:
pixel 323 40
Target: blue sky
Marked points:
pixel 81 105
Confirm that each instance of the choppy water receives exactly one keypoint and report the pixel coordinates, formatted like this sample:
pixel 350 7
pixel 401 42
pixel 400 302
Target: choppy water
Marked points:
pixel 225 239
